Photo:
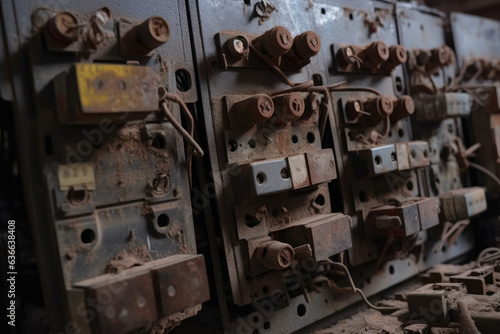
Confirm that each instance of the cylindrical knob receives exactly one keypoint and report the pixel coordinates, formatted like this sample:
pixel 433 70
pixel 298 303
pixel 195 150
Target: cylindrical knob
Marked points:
pixel 374 55
pixel 154 32
pixel 403 107
pixel 275 255
pixel 254 110
pixel 64 28
pixel 397 56
pixel 379 108
pixel 289 107
pixel 439 57
pixel 275 42
pixel 307 44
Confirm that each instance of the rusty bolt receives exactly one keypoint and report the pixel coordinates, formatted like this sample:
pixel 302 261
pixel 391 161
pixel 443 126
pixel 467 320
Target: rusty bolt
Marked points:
pixel 307 44
pixel 153 32
pixel 397 56
pixel 275 42
pixel 238 46
pixel 375 54
pixel 379 108
pixel 289 107
pixel 253 110
pixel 404 106
pixel 439 57
pixel 275 255
pixel 64 28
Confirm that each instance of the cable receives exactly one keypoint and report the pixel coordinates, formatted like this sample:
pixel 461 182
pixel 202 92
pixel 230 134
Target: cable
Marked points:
pixel 197 151
pixel 485 171
pixel 353 287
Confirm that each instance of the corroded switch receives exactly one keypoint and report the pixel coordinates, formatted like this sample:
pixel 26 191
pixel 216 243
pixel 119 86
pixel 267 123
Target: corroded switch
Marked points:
pixel 147 36
pixel 253 110
pixel 63 28
pixel 404 106
pixel 274 255
pixel 274 42
pixel 397 56
pixel 305 46
pixel 289 107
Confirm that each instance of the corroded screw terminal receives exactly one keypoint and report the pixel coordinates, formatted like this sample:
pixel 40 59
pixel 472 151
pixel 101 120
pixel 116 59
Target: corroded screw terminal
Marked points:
pixel 253 110
pixel 275 42
pixel 153 32
pixel 345 55
pixel 275 255
pixel 289 107
pixel 439 57
pixel 397 56
pixel 307 44
pixel 238 46
pixel 374 55
pixel 64 28
pixel 403 107
pixel 379 108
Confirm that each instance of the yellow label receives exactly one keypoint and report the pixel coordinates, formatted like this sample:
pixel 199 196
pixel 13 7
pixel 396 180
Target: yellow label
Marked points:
pixel 80 174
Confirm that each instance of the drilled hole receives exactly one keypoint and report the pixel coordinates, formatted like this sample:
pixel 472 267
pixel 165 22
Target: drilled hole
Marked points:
pixel 265 289
pixel 401 133
pixel 317 80
pixel 301 310
pixel 98 84
pixel 399 84
pixel 351 17
pixel 310 137
pixel 159 142
pixel 232 145
pixel 378 160
pixel 391 269
pixel 261 178
pixel 426 154
pixel 163 220
pixel 251 221
pixel 323 11
pixel 87 236
pixel 122 85
pixel 252 143
pixel 409 185
pixel 77 196
pixel 183 80
pixel 267 325
pixel 284 174
pixel 295 139
pixel 413 154
pixel 320 200
pixel 275 212
pixel 247 2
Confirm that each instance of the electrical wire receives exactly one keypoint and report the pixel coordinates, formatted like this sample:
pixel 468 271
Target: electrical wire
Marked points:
pixel 353 287
pixel 485 171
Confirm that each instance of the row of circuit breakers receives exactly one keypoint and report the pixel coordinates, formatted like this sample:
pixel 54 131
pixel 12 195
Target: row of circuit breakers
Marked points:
pixel 279 138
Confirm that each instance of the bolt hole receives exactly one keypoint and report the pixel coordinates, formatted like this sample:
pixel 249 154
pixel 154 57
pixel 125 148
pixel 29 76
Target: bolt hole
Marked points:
pixel 77 196
pixel 426 154
pixel 122 85
pixel 261 178
pixel 275 213
pixel 267 325
pixel 323 11
pixel 247 2
pixel 351 17
pixel 409 185
pixel 401 133
pixel 368 280
pixel 256 331
pixel 301 310
pixel 251 221
pixel 252 143
pixel 391 270
pixel 317 80
pixel 159 142
pixel 98 84
pixel 413 154
pixel 378 160
pixel 310 137
pixel 389 134
pixel 284 174
pixel 399 84
pixel 232 145
pixel 393 156
pixel 295 139
pixel 320 200
pixel 87 236
pixel 183 80
pixel 255 319
pixel 163 220
pixel 265 289
pixel 363 197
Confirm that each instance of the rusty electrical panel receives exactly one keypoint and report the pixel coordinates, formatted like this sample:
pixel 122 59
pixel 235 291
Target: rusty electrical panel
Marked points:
pixel 256 163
